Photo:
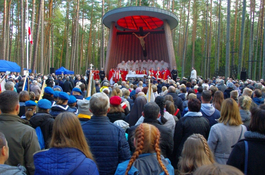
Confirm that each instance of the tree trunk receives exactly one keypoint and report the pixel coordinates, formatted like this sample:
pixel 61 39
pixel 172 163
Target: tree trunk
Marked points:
pixel 32 31
pixel 219 33
pixel 241 46
pixel 206 41
pixel 210 44
pixel 67 61
pixel 263 57
pixel 89 45
pixel 194 30
pixel 227 55
pixel 8 30
pixel 102 53
pixel 22 43
pixel 4 31
pixel 252 9
pixel 36 39
pixel 185 42
pixel 42 38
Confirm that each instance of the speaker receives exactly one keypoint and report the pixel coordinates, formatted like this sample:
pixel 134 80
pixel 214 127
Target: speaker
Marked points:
pixel 243 75
pixel 52 70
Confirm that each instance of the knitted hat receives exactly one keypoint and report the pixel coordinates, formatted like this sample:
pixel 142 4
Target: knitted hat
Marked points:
pixel 83 107
pixel 115 100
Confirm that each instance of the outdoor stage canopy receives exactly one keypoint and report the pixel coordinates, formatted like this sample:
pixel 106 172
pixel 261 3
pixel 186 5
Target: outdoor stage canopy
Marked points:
pixel 140 33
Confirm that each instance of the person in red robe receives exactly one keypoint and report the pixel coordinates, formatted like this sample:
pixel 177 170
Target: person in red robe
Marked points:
pixel 166 74
pixel 158 73
pixel 96 74
pixel 137 71
pixel 123 74
pixel 111 72
pixel 151 72
pixel 144 71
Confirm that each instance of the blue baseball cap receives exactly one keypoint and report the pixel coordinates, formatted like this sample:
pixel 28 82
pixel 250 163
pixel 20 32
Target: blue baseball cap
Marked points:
pixel 56 94
pixel 44 104
pixel 48 90
pixel 77 90
pixel 30 103
pixel 72 99
pixel 64 96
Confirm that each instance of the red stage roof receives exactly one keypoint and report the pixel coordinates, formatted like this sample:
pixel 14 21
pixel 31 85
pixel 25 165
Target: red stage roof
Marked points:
pixel 135 22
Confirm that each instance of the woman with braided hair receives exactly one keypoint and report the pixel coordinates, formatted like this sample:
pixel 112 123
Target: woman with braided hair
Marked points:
pixel 146 158
pixel 195 153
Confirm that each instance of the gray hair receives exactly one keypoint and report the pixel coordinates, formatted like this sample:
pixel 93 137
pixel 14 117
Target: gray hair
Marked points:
pixel 9 85
pixel 171 89
pixel 99 104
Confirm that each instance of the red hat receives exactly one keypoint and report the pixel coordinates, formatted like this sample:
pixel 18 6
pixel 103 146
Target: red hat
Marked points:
pixel 115 100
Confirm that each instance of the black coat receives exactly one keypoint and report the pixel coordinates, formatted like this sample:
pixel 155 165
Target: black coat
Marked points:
pixel 45 122
pixel 256 154
pixel 116 116
pixel 166 140
pixel 67 86
pixel 177 101
pixel 185 127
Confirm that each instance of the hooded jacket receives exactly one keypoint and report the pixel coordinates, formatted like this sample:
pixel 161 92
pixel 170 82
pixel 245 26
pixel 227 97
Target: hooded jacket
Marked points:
pixel 22 141
pixel 245 116
pixel 209 112
pixel 45 122
pixel 192 122
pixel 256 154
pixel 57 109
pixel 258 101
pixel 63 161
pixel 10 170
pixel 145 164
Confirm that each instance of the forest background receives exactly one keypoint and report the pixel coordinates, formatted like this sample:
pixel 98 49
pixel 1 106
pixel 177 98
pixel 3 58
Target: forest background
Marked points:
pixel 216 37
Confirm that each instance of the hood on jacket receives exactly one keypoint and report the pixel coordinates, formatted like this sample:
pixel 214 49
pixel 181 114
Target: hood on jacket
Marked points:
pixel 207 108
pixel 258 101
pixel 58 160
pixel 193 114
pixel 245 115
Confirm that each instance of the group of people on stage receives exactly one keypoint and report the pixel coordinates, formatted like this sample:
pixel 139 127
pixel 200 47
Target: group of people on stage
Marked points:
pixel 117 74
pixel 141 65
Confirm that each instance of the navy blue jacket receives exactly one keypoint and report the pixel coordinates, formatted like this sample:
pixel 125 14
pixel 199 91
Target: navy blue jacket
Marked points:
pixel 63 161
pixel 107 143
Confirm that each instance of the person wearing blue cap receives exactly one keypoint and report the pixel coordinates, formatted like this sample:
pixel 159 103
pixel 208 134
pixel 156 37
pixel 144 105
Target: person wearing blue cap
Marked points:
pixel 77 93
pixel 43 120
pixel 48 94
pixel 56 96
pixel 72 104
pixel 61 105
pixel 30 109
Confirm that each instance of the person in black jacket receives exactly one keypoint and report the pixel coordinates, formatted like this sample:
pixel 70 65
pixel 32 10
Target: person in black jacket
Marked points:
pixel 150 114
pixel 116 111
pixel 192 122
pixel 44 120
pixel 67 86
pixel 255 139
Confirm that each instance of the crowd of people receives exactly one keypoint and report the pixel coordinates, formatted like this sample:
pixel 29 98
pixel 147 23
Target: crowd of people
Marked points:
pixel 177 126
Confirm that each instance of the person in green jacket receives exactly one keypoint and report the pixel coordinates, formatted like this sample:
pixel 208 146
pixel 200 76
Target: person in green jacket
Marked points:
pixel 22 138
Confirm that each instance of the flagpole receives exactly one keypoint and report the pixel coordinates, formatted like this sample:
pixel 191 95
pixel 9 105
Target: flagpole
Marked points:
pixel 27 35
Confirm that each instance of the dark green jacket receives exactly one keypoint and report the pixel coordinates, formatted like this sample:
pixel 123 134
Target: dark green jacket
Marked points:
pixel 22 141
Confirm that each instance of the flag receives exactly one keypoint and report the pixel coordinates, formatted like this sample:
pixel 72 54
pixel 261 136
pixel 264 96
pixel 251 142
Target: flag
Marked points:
pixel 30 36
